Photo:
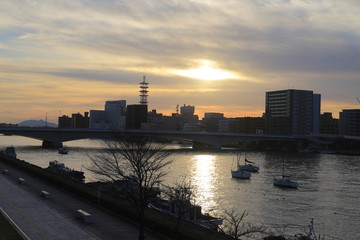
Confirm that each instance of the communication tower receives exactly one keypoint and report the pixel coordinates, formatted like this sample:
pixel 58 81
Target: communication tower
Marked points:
pixel 143 92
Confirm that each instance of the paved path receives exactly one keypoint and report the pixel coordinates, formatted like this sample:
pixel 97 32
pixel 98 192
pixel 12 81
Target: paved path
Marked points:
pixel 56 218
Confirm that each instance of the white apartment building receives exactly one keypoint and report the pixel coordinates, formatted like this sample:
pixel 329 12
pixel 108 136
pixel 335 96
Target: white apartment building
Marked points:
pixel 113 117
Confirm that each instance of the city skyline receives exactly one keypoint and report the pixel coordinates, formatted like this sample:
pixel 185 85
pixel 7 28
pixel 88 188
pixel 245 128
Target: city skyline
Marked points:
pixel 66 56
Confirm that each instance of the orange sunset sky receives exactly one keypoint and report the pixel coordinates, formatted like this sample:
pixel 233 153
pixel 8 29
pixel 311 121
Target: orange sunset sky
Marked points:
pixel 63 57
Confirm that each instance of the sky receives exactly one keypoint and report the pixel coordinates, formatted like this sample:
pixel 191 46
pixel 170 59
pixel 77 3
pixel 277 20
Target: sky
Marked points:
pixel 59 57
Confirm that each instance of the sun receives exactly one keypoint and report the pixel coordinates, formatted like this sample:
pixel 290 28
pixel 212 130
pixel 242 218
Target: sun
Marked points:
pixel 206 72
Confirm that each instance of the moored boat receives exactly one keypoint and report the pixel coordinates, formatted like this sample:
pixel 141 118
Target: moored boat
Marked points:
pixel 285 181
pixel 59 168
pixel 239 173
pixel 63 150
pixel 10 152
pixel 248 166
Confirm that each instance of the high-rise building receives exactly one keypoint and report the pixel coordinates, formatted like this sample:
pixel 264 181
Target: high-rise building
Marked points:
pixel 97 119
pixel 136 115
pixel 292 112
pixel 115 114
pixel 349 122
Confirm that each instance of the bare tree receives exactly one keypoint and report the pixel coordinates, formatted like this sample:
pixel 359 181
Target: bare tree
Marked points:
pixel 235 225
pixel 138 158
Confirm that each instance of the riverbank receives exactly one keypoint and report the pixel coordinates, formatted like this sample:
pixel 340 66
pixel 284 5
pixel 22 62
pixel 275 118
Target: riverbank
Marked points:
pixel 161 223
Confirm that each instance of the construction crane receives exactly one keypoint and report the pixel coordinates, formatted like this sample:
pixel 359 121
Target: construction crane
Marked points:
pixel 358 100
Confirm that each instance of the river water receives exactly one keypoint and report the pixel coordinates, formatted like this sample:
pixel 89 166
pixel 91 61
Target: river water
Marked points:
pixel 329 190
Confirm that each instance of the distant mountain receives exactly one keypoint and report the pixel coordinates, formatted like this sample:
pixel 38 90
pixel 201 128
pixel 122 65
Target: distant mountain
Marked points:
pixel 36 123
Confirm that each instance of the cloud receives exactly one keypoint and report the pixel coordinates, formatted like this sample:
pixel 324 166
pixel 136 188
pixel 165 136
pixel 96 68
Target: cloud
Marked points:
pixel 272 44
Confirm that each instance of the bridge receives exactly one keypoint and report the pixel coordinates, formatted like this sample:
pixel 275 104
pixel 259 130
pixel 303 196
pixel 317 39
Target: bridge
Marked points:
pixel 54 137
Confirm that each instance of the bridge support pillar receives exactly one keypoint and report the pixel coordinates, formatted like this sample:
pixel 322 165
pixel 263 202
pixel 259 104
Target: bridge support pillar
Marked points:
pixel 49 144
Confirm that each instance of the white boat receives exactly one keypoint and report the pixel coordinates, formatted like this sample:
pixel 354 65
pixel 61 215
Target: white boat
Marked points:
pixel 10 152
pixel 238 173
pixel 248 166
pixel 63 150
pixel 285 181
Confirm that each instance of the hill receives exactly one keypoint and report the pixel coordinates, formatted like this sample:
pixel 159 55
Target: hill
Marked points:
pixel 36 123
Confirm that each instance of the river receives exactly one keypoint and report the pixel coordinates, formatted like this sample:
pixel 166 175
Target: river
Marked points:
pixel 329 190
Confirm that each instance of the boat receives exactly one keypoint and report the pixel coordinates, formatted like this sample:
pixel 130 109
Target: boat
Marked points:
pixel 9 151
pixel 60 169
pixel 63 150
pixel 248 166
pixel 285 180
pixel 238 173
pixel 190 212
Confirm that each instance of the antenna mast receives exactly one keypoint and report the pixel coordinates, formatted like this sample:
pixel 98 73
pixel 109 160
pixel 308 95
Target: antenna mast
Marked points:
pixel 143 90
pixel 46 120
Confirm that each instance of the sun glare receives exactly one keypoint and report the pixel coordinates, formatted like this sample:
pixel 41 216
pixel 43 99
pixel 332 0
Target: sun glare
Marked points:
pixel 203 172
pixel 206 72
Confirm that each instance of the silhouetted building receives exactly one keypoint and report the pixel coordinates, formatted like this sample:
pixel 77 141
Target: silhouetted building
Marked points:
pixel 154 121
pixel 187 110
pixel 187 117
pixel 64 122
pixel 98 119
pixel 171 123
pixel 328 124
pixel 154 117
pixel 349 122
pixel 193 127
pixel 136 115
pixel 76 120
pixel 211 121
pixel 80 121
pixel 292 112
pixel 246 125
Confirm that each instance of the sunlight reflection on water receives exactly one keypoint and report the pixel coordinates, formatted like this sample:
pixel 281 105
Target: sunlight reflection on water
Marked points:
pixel 203 178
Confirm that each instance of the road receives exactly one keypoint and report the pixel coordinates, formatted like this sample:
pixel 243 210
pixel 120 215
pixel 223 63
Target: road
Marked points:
pixel 56 218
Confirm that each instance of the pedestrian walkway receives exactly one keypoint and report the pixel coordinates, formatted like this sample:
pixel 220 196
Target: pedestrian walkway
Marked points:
pixel 35 219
